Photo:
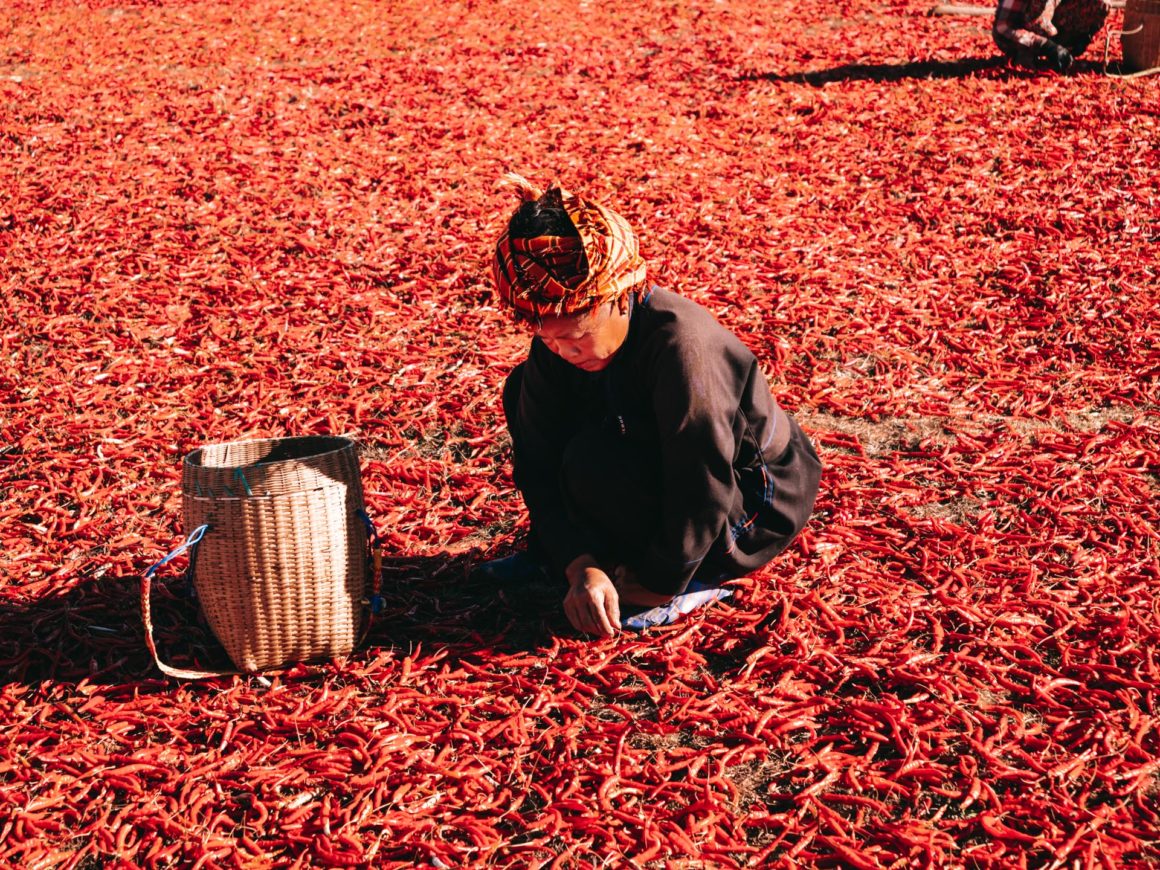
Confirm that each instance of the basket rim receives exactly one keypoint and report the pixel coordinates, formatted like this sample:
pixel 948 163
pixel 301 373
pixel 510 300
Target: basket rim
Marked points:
pixel 341 442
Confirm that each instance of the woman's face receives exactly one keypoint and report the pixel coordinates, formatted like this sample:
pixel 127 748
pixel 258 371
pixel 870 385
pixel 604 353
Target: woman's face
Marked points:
pixel 589 340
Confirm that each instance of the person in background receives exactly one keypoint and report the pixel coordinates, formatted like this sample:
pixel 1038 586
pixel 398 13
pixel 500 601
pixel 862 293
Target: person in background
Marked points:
pixel 654 463
pixel 1050 32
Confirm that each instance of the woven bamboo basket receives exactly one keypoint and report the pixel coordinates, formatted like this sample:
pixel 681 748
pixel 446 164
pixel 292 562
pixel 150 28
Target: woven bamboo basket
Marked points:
pixel 281 571
pixel 1140 38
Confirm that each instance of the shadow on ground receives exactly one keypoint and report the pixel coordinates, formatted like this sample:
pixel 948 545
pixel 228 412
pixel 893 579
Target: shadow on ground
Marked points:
pixel 917 69
pixel 94 632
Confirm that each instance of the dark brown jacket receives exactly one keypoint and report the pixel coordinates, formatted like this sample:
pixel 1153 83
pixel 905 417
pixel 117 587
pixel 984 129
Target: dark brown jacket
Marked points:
pixel 689 398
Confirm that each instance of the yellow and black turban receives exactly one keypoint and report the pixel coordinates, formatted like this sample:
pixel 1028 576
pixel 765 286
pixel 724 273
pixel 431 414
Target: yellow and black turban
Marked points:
pixel 561 275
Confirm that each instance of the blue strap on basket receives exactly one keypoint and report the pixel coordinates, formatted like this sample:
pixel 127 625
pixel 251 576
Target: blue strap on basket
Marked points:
pixel 376 600
pixel 241 475
pixel 190 544
pixel 147 611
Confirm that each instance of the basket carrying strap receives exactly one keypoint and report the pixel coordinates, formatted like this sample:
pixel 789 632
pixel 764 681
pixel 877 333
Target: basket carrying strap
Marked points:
pixel 147 611
pixel 374 603
pixel 1108 45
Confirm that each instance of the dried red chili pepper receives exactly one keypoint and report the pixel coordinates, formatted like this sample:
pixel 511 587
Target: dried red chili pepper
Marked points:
pixel 250 239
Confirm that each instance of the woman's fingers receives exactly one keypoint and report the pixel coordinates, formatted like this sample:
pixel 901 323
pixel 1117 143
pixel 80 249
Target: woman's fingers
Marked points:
pixel 593 605
pixel 602 610
pixel 578 609
pixel 612 609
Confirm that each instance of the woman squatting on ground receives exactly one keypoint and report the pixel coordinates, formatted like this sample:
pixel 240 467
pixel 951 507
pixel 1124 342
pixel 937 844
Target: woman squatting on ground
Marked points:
pixel 1050 32
pixel 653 460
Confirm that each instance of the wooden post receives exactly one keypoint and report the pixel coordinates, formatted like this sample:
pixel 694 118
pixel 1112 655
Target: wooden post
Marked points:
pixel 962 10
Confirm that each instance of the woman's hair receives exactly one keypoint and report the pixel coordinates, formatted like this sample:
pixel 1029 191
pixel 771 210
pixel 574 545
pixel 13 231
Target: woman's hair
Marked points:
pixel 541 217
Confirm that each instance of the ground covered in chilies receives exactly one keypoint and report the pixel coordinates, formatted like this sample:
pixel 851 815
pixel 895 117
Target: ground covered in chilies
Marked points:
pixel 224 220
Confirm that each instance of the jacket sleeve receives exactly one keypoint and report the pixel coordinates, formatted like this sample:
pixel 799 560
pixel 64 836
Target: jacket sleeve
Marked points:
pixel 696 394
pixel 541 431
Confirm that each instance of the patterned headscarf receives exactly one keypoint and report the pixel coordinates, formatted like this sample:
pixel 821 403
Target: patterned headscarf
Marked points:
pixel 561 275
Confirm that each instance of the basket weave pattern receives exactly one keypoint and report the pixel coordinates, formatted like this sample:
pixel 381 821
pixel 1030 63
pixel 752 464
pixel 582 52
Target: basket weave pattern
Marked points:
pixel 282 572
pixel 1141 49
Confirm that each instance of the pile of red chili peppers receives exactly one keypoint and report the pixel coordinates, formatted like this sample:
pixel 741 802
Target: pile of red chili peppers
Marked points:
pixel 229 220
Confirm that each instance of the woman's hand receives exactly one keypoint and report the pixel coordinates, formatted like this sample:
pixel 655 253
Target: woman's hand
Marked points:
pixel 592 603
